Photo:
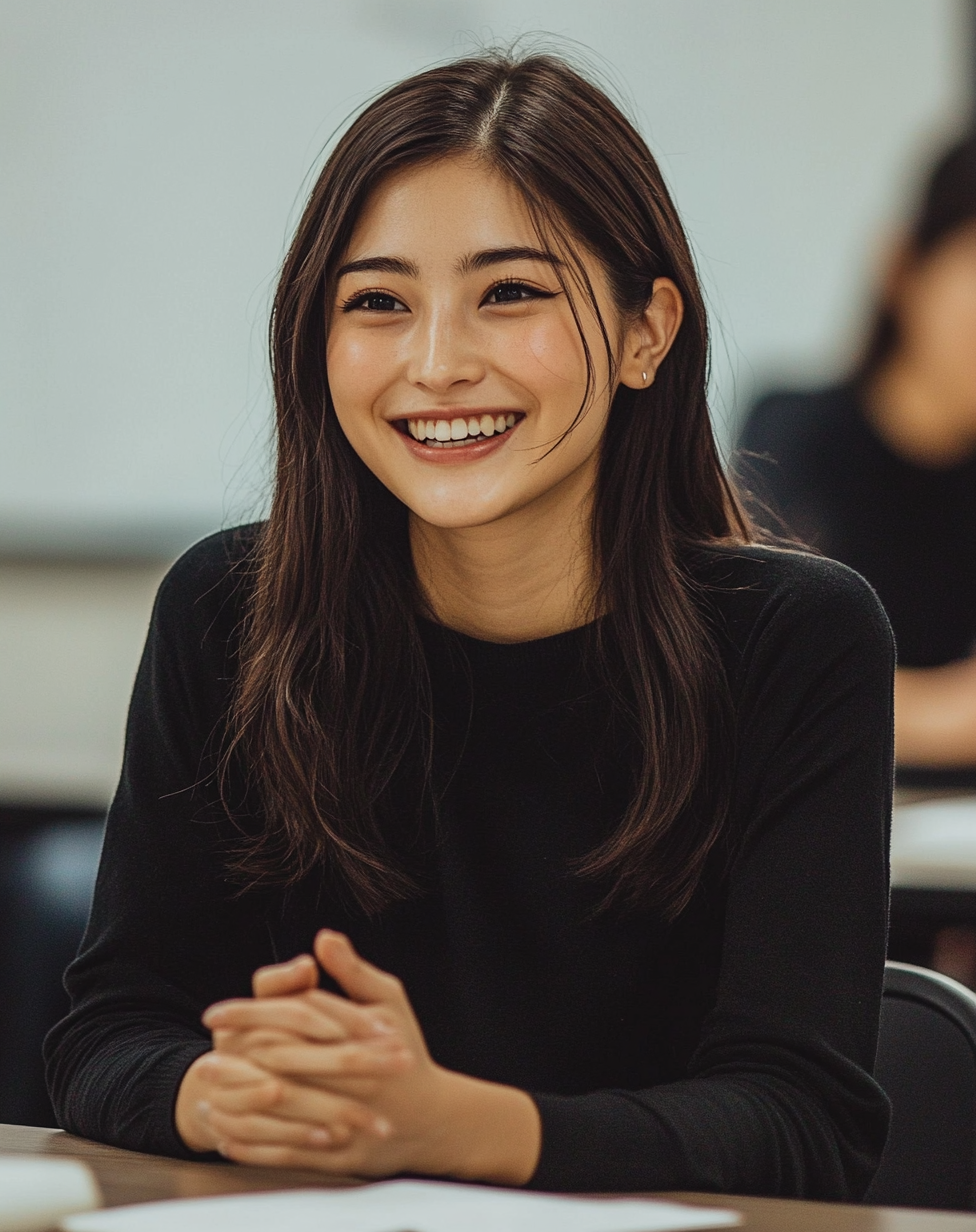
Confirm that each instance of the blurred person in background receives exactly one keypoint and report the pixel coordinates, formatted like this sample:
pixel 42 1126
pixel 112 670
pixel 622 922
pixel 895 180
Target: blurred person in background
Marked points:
pixel 880 472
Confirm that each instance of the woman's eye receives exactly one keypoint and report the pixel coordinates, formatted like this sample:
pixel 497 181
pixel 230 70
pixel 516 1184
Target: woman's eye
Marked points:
pixel 515 293
pixel 374 301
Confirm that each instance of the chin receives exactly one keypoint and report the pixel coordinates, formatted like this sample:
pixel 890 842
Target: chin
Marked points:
pixel 460 516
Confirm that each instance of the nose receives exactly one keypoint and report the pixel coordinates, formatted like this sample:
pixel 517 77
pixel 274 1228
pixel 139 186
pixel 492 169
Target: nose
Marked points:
pixel 444 353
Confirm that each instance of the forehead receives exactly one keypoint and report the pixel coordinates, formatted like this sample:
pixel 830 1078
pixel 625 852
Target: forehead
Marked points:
pixel 452 206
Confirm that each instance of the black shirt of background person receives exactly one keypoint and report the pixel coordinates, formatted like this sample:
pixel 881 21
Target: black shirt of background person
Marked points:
pixel 814 463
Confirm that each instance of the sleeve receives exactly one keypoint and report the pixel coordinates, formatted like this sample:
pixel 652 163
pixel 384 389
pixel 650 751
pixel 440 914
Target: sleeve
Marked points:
pixel 167 934
pixel 778 1098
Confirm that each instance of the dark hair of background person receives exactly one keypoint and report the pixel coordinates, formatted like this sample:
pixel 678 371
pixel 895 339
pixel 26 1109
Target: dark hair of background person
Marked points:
pixel 333 697
pixel 948 203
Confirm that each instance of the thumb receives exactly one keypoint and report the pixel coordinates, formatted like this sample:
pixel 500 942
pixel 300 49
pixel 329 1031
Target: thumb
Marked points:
pixel 360 980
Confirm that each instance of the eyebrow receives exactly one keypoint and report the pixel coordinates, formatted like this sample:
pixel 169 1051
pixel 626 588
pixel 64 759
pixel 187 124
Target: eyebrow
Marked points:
pixel 467 265
pixel 497 256
pixel 379 265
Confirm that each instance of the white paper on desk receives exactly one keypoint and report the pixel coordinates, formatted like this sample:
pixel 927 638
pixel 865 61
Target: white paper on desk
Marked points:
pixel 403 1206
pixel 36 1193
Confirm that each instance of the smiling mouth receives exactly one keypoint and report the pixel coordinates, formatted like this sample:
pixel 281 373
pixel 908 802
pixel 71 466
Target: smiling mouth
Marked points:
pixel 452 433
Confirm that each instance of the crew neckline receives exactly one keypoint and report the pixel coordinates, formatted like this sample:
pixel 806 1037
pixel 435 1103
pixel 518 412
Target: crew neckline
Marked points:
pixel 540 649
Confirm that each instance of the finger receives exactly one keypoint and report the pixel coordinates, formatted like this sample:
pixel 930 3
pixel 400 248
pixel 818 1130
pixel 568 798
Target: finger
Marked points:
pixel 255 1128
pixel 237 1043
pixel 358 1021
pixel 295 1015
pixel 284 979
pixel 305 1105
pixel 300 1101
pixel 341 1118
pixel 232 1070
pixel 337 1158
pixel 361 980
pixel 318 1062
pixel 242 1100
pixel 338 1163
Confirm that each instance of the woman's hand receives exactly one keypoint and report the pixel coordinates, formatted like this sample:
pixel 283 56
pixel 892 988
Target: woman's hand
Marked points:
pixel 361 1069
pixel 224 1097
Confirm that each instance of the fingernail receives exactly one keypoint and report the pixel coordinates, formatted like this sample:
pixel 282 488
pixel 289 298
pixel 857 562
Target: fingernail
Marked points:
pixel 203 1107
pixel 320 1137
pixel 382 1127
pixel 379 1027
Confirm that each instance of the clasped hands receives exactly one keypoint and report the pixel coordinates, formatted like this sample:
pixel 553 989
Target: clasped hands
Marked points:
pixel 299 1077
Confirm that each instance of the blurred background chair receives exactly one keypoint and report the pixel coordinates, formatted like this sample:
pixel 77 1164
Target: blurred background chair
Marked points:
pixel 47 873
pixel 927 1065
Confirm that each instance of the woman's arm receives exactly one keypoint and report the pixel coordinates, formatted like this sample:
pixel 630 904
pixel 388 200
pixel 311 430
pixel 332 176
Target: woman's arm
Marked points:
pixel 167 932
pixel 935 715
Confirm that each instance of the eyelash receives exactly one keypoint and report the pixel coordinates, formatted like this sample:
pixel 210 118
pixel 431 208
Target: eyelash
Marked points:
pixel 532 292
pixel 359 300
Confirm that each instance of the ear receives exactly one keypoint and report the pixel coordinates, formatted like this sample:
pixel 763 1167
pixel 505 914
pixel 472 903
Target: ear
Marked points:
pixel 649 339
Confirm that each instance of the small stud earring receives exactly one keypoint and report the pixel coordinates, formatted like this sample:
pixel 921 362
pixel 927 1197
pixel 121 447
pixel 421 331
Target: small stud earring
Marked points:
pixel 644 375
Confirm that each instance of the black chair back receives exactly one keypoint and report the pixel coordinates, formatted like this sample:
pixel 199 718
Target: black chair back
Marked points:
pixel 927 1065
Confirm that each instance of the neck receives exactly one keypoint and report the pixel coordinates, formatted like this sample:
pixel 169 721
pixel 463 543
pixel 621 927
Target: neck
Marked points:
pixel 525 576
pixel 918 418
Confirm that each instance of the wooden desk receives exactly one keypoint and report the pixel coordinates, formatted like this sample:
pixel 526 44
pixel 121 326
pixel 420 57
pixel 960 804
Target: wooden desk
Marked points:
pixel 127 1176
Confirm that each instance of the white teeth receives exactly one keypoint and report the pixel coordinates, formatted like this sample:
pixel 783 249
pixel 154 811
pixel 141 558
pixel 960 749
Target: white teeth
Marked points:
pixel 453 430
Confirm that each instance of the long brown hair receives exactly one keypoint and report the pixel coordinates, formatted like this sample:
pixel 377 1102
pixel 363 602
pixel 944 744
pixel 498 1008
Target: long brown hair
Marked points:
pixel 332 698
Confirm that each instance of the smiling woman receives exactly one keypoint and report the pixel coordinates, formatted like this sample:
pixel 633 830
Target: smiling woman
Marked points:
pixel 577 794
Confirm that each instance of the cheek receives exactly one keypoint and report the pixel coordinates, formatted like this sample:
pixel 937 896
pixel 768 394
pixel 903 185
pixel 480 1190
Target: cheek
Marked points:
pixel 547 356
pixel 349 362
pixel 546 359
pixel 944 319
pixel 949 332
pixel 356 370
pixel 552 357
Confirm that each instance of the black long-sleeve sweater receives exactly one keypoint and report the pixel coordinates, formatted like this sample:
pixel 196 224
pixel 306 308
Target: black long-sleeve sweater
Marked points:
pixel 730 1050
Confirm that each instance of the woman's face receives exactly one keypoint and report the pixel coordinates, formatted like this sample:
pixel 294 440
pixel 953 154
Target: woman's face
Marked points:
pixel 935 304
pixel 454 361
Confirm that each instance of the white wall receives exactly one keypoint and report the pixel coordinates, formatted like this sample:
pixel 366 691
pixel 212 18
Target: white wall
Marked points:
pixel 153 154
